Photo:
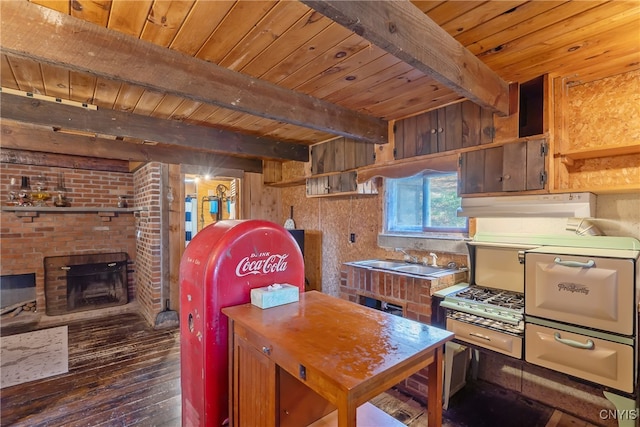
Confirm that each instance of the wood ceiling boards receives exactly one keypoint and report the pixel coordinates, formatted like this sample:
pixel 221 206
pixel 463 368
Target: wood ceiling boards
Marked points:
pixel 283 73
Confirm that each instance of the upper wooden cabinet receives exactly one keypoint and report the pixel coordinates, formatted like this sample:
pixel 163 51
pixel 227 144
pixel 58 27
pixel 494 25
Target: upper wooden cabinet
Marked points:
pixel 456 126
pixel 339 184
pixel 333 165
pixel 517 166
pixel 340 155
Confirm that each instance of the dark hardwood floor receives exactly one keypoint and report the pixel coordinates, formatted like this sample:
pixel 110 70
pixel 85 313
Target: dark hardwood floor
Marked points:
pixel 121 373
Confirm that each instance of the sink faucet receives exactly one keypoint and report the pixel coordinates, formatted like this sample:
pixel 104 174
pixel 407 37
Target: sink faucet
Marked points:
pixel 434 259
pixel 411 258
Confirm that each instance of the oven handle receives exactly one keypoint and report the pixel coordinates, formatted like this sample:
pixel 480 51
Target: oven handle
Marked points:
pixel 571 343
pixel 579 264
pixel 484 337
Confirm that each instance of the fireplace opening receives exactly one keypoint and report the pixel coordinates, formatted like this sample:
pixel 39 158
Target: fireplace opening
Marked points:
pixel 96 285
pixel 17 293
pixel 85 282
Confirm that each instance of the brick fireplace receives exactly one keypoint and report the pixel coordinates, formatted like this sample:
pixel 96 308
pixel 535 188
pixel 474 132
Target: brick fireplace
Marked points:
pixel 27 237
pixel 75 283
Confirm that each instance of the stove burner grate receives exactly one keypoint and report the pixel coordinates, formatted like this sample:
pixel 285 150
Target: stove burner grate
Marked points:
pixel 497 297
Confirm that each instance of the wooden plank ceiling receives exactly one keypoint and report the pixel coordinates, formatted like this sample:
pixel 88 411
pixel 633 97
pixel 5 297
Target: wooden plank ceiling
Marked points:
pixel 294 76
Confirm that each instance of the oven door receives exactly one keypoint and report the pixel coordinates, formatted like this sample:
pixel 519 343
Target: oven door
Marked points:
pixel 593 292
pixel 601 358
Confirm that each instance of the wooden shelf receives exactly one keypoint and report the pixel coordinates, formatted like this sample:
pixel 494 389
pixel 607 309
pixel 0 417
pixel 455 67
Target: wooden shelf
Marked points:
pixel 289 183
pixel 595 152
pixel 341 194
pixel 70 209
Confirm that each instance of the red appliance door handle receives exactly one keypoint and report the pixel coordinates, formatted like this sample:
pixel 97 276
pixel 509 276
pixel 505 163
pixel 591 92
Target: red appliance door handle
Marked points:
pixel 571 343
pixel 588 264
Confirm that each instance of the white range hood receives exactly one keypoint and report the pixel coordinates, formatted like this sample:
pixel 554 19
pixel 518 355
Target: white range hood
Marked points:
pixel 582 205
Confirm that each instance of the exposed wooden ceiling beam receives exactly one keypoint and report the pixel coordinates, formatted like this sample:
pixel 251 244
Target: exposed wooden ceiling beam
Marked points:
pixel 41 34
pixel 406 32
pixel 33 138
pixel 122 124
pixel 48 159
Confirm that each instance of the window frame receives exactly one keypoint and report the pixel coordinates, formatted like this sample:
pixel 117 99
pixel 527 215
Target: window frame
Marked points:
pixel 424 231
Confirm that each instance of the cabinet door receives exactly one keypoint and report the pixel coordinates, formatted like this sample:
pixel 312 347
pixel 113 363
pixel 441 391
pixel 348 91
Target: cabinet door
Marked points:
pixel 536 172
pixel 477 125
pixel 514 174
pixel 340 154
pixel 317 186
pixel 481 171
pixel 407 147
pixel 531 155
pixel 517 166
pixel 426 125
pixel 456 126
pixel 420 135
pixel 317 158
pixel 437 130
pixel 471 174
pixel 254 377
pixel 342 183
pixel 338 183
pixel 450 130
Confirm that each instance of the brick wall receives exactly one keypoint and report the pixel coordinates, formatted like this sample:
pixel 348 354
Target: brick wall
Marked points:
pixel 148 249
pixel 412 293
pixel 27 237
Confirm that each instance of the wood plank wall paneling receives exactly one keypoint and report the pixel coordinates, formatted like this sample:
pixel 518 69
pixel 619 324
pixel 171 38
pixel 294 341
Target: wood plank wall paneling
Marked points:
pixel 452 126
pixel 313 259
pixel 176 233
pixel 259 201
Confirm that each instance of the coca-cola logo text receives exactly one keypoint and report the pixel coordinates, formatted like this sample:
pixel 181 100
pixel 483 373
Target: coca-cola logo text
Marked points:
pixel 262 263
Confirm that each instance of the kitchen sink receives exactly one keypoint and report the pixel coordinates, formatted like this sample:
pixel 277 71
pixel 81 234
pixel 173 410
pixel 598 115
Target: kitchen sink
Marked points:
pixel 424 270
pixel 404 267
pixel 381 264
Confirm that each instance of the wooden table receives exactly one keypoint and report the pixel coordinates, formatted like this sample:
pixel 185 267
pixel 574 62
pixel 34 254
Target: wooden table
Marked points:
pixel 297 363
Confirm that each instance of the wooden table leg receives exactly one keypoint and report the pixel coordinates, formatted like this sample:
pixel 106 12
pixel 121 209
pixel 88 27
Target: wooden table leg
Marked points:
pixel 434 397
pixel 347 411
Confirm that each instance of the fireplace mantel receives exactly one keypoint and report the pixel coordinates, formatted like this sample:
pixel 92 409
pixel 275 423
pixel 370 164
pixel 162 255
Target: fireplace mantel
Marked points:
pixel 73 209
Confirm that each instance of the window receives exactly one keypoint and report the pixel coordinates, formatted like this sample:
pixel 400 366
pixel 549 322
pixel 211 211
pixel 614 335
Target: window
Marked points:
pixel 424 204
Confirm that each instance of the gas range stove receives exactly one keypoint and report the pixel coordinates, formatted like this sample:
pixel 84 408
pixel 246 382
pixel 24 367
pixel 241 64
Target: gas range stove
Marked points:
pixel 499 306
pixel 496 297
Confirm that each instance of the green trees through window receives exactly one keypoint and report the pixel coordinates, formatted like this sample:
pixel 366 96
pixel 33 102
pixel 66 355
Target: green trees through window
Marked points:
pixel 424 204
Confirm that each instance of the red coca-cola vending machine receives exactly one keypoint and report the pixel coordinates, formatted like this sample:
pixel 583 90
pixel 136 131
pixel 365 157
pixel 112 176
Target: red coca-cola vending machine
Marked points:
pixel 219 268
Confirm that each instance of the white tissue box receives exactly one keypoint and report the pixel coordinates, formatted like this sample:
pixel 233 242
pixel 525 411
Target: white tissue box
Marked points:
pixel 268 297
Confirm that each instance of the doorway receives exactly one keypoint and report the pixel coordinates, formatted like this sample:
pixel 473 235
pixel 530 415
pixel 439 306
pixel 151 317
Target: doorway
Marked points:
pixel 209 200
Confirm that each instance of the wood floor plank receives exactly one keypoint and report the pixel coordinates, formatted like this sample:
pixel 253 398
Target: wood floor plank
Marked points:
pixel 121 372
